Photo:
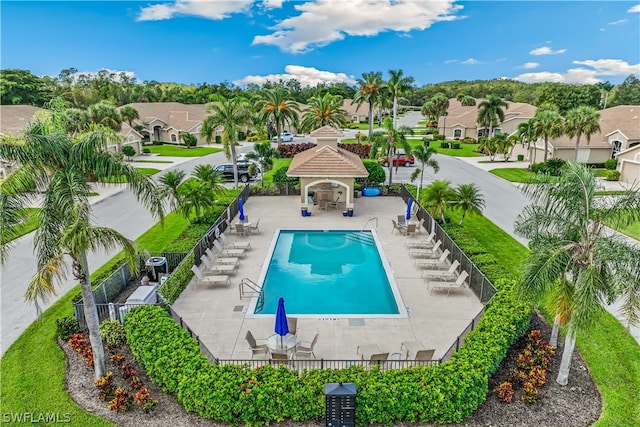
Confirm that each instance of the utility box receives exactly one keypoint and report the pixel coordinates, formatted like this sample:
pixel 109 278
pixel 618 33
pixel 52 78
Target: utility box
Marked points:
pixel 340 404
pixel 155 266
pixel 144 295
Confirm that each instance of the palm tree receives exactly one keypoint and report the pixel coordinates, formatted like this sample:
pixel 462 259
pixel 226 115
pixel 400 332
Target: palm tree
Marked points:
pixel 129 114
pixel 430 112
pixel 398 86
pixel 466 100
pixel 547 123
pixel 195 196
pixel 169 184
pixel 323 110
pixel 438 197
pixel 490 112
pixel 189 139
pixel 573 255
pixel 104 113
pixel 389 141
pixel 423 155
pixel 469 200
pixel 264 154
pixel 526 134
pixel 440 103
pixel 207 174
pixel 369 90
pixel 276 105
pixel 53 174
pixel 583 120
pixel 230 114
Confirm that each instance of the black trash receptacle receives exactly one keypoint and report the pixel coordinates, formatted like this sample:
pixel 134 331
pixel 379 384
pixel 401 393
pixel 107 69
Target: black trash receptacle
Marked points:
pixel 340 404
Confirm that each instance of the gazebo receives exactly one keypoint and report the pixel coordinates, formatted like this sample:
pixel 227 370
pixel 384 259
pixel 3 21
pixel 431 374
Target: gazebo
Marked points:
pixel 327 173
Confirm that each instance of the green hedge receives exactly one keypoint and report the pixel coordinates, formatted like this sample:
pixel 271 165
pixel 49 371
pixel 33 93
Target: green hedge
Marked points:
pixel 178 280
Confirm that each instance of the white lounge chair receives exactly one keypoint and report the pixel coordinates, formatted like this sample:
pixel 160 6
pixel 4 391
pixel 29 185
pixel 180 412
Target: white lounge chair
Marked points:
pixel 213 264
pixel 426 243
pixel 227 252
pixel 218 279
pixel 442 275
pixel 425 253
pixel 433 263
pixel 227 243
pixel 458 284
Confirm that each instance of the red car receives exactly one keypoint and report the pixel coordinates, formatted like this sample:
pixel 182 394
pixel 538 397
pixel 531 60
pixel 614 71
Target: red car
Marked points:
pixel 399 159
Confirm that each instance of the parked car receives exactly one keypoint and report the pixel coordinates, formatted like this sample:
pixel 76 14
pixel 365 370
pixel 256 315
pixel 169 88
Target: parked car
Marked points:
pixel 399 159
pixel 244 175
pixel 285 136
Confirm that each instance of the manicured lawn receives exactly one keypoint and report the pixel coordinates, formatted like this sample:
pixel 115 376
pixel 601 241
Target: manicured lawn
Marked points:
pixel 632 231
pixel 277 164
pixel 611 354
pixel 465 150
pixel 177 151
pixel 33 368
pixel 26 227
pixel 599 172
pixel 144 171
pixel 153 161
pixel 512 174
pixel 365 126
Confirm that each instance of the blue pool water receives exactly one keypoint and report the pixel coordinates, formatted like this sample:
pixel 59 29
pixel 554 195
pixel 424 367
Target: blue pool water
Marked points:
pixel 327 272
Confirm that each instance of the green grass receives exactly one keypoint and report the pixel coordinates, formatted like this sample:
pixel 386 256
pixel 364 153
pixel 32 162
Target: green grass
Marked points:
pixel 599 172
pixel 609 192
pixel 35 384
pixel 612 356
pixel 277 164
pixel 465 150
pixel 177 151
pixel 632 230
pixel 512 174
pixel 26 227
pixel 153 161
pixel 365 126
pixel 123 179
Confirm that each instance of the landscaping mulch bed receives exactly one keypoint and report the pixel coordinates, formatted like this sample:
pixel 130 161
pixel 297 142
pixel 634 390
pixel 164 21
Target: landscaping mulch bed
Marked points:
pixel 576 405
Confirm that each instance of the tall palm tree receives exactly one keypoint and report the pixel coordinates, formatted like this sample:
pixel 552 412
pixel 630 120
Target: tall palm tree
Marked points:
pixel 104 113
pixel 469 199
pixel 440 103
pixel 169 184
pixel 207 174
pixel 231 115
pixel 491 113
pixel 430 112
pixel 570 249
pixel 398 86
pixel 526 134
pixel 53 174
pixel 389 141
pixel 323 110
pixel 276 105
pixel 438 197
pixel 547 123
pixel 466 100
pixel 583 120
pixel 264 154
pixel 129 114
pixel 423 155
pixel 195 197
pixel 369 90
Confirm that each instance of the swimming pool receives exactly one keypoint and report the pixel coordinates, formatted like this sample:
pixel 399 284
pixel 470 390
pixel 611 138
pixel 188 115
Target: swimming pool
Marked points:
pixel 341 273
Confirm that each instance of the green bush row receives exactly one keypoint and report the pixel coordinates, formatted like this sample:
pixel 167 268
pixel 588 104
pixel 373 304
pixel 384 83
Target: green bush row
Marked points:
pixel 177 281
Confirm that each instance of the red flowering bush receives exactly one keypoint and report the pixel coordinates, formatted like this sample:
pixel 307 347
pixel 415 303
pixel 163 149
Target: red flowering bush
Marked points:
pixel 81 345
pixel 530 393
pixel 144 400
pixel 106 388
pixel 505 391
pixel 122 400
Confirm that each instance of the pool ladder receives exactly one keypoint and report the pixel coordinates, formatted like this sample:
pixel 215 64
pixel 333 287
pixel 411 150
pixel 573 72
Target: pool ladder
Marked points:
pixel 368 221
pixel 248 288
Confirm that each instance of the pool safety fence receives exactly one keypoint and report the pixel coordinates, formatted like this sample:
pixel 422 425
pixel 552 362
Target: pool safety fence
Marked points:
pixel 309 364
pixel 111 311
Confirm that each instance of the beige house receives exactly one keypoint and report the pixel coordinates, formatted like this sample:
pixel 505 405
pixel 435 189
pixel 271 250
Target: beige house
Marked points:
pixel 629 165
pixel 327 173
pixel 355 113
pixel 13 119
pixel 462 121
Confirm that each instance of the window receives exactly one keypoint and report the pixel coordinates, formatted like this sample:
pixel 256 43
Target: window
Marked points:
pixel 497 131
pixel 457 133
pixel 617 147
pixel 173 138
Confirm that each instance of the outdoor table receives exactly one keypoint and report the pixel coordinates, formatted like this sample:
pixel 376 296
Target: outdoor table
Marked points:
pixel 281 344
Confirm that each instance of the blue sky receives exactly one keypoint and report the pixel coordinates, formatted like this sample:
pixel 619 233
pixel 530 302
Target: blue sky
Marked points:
pixel 245 41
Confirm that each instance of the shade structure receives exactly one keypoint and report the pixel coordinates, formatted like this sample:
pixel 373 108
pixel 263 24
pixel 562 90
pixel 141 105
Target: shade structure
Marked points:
pixel 408 216
pixel 241 209
pixel 282 328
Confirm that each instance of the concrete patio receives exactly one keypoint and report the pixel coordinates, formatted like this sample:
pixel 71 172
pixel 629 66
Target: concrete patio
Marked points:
pixel 219 317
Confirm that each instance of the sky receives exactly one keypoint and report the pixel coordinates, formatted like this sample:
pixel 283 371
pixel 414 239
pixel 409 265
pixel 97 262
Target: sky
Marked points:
pixel 331 41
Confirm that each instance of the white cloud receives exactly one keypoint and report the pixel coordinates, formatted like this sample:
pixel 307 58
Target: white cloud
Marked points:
pixel 322 22
pixel 634 9
pixel 546 50
pixel 471 61
pixel 619 21
pixel 530 65
pixel 450 61
pixel 599 68
pixel 307 76
pixel 204 8
pixel 272 4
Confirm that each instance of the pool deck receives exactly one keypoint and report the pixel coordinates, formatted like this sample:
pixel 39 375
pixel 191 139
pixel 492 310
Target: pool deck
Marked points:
pixel 218 315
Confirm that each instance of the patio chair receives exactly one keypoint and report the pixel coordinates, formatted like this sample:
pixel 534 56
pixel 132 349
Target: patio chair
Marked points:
pixel 246 219
pixel 425 354
pixel 215 269
pixel 227 243
pixel 212 264
pixel 255 347
pixel 253 228
pixel 420 226
pixel 410 229
pixel 398 227
pixel 445 276
pixel 458 284
pixel 402 219
pixel 280 359
pixel 425 253
pixel 305 348
pixel 218 279
pixel 433 263
pixel 227 252
pixel 378 359
pixel 241 229
pixel 292 324
pixel 421 244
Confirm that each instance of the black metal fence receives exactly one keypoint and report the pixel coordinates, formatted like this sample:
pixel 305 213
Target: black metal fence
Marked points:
pixel 111 311
pixel 183 325
pixel 308 364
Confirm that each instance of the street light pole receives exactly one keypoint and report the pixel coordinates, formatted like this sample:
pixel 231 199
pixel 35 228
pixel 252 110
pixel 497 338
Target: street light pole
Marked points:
pixel 444 124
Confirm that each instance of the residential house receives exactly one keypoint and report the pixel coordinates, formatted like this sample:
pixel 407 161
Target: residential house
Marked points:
pixel 355 113
pixel 13 120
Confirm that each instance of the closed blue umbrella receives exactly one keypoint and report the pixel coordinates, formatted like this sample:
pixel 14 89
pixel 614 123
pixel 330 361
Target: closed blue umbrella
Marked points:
pixel 241 209
pixel 282 328
pixel 408 216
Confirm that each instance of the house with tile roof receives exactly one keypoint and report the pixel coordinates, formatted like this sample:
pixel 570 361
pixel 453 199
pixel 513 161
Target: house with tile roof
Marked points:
pixel 327 173
pixel 13 120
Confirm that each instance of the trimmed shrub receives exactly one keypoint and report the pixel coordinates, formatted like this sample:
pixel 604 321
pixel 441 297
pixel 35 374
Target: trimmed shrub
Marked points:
pixel 455 145
pixel 611 164
pixel 242 136
pixel 66 327
pixel 444 144
pixel 113 332
pixel 612 175
pixel 146 150
pixel 218 139
pixel 281 176
pixel 376 172
pixel 520 157
pixel 177 281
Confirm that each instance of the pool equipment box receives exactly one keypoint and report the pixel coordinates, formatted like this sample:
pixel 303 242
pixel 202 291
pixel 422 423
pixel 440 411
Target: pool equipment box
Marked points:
pixel 144 295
